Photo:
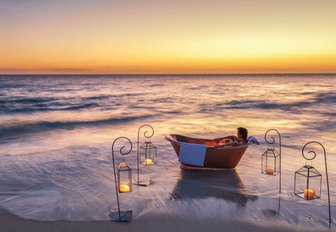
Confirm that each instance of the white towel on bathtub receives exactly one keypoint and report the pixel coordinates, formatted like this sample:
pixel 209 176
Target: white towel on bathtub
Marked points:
pixel 193 154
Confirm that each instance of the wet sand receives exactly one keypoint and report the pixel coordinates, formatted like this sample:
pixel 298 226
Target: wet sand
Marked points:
pixel 232 200
pixel 197 202
pixel 147 222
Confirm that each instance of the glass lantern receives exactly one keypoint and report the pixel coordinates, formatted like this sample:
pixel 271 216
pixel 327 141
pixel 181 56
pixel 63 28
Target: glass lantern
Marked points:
pixel 270 163
pixel 148 154
pixel 307 180
pixel 124 175
pixel 307 183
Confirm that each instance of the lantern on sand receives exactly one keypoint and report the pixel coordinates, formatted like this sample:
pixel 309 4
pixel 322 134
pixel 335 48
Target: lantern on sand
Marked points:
pixel 123 182
pixel 271 158
pixel 308 180
pixel 146 153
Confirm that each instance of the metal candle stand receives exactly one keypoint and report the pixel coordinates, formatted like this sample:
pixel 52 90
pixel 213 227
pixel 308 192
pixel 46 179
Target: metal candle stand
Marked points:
pixel 120 185
pixel 147 152
pixel 272 154
pixel 310 187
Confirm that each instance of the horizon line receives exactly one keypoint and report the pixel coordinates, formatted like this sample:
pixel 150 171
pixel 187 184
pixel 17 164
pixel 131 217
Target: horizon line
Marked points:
pixel 162 74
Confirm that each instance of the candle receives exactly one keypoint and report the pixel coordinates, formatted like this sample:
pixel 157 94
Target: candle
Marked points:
pixel 269 171
pixel 148 162
pixel 309 194
pixel 124 188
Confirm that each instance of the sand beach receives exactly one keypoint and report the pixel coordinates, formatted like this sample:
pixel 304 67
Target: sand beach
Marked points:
pixel 148 223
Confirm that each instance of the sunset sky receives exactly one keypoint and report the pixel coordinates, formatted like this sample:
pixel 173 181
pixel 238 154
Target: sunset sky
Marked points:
pixel 175 36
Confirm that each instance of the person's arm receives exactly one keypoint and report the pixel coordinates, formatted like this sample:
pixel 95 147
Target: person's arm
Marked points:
pixel 227 141
pixel 232 137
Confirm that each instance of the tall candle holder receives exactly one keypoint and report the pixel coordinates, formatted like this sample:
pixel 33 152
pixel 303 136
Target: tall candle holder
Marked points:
pixel 146 153
pixel 123 181
pixel 271 158
pixel 308 180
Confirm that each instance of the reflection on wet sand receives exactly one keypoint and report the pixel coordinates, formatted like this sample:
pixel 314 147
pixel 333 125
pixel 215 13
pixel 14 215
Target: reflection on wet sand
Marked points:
pixel 272 213
pixel 225 185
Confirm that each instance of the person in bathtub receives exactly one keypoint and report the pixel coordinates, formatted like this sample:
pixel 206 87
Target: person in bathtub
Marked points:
pixel 241 138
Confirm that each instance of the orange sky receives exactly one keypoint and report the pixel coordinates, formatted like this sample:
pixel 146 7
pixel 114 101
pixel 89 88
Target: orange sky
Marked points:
pixel 155 36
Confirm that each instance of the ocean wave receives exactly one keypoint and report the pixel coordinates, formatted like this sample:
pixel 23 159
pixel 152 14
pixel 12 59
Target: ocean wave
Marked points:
pixel 33 104
pixel 325 98
pixel 95 98
pixel 10 131
pixel 200 87
pixel 28 100
pixel 156 85
pixel 38 104
pixel 7 86
pixel 49 107
pixel 164 100
pixel 262 104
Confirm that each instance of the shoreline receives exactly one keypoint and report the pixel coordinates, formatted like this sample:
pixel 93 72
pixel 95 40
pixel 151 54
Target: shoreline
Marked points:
pixel 147 222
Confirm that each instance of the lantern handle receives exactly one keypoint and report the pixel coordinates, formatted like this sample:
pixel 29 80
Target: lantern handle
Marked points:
pixel 273 139
pixel 272 142
pixel 326 169
pixel 123 153
pixel 138 144
pixel 310 152
pixel 146 136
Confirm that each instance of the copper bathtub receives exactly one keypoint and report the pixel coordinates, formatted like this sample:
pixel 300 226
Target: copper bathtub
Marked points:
pixel 216 157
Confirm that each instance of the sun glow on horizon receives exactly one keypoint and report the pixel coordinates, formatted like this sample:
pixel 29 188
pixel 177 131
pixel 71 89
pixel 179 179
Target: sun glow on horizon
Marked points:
pixel 167 37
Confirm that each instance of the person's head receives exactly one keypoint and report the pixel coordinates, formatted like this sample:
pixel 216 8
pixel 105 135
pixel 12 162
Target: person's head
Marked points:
pixel 242 133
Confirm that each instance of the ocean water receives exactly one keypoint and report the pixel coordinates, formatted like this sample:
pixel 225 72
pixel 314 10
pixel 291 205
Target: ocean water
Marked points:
pixel 56 134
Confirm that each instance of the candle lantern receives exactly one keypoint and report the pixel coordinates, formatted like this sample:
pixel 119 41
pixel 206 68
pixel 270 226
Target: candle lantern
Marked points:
pixel 124 178
pixel 271 158
pixel 146 153
pixel 270 162
pixel 308 181
pixel 123 182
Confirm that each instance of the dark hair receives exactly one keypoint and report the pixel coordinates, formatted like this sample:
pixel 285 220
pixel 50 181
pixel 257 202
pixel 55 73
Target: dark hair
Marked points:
pixel 243 132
